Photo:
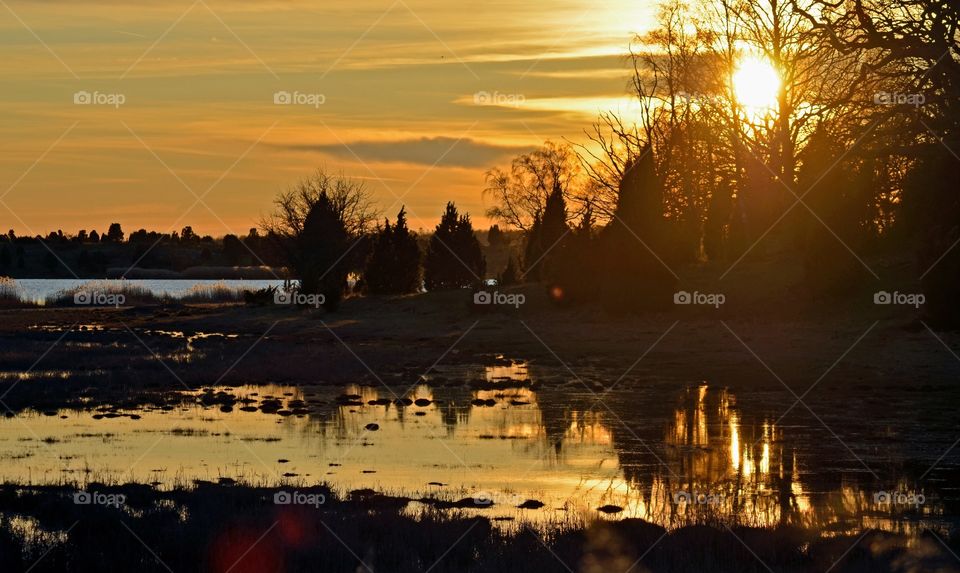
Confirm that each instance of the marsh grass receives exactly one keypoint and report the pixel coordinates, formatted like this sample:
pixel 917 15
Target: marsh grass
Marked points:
pixel 214 527
pixel 11 295
pixel 136 295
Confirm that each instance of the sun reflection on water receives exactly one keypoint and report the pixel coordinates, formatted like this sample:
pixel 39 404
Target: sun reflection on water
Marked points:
pixel 708 460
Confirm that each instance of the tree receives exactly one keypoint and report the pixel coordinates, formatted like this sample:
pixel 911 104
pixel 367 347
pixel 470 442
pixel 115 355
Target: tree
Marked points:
pixel 546 237
pixel 634 277
pixel 574 275
pixel 5 257
pixel 350 200
pixel 394 263
pixel 454 258
pixel 521 194
pixel 510 275
pixel 233 250
pixel 188 236
pixel 321 247
pixel 496 237
pixel 841 198
pixel 911 47
pixel 114 234
pixel 94 236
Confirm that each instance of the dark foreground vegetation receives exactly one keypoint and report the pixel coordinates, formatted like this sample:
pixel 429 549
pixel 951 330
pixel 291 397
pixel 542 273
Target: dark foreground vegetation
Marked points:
pixel 220 528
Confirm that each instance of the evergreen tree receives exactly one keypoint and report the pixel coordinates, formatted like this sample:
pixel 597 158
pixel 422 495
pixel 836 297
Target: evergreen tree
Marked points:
pixel 510 275
pixel 552 234
pixel 574 275
pixel 533 249
pixel 322 245
pixel 495 237
pixel 633 274
pixel 394 263
pixel 454 258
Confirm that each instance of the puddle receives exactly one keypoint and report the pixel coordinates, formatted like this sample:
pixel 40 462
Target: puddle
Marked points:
pixel 493 438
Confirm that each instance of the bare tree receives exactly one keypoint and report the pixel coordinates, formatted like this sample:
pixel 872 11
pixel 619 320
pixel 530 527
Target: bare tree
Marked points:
pixel 351 199
pixel 520 194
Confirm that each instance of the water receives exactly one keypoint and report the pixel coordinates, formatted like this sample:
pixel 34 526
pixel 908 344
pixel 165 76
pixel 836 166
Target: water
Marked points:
pixel 38 290
pixel 690 454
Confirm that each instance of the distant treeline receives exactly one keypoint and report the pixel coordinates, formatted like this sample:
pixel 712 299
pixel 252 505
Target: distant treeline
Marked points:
pixel 183 254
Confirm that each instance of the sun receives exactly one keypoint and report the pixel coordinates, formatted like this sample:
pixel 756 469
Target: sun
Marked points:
pixel 756 83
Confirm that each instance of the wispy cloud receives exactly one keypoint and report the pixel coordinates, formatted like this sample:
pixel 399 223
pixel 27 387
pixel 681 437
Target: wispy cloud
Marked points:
pixel 469 153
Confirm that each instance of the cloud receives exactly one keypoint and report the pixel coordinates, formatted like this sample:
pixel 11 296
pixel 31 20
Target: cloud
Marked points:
pixel 440 151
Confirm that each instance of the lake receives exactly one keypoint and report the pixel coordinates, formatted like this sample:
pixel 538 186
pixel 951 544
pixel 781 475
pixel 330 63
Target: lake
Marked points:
pixel 38 290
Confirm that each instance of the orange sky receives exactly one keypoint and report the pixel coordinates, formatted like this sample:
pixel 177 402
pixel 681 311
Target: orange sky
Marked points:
pixel 165 116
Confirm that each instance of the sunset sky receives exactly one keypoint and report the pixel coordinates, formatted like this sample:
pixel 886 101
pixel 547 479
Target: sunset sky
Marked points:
pixel 394 83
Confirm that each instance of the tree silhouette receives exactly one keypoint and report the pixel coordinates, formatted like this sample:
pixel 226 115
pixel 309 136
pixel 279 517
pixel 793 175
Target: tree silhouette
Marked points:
pixel 546 237
pixel 495 237
pixel 233 250
pixel 454 258
pixel 634 276
pixel 510 275
pixel 321 246
pixel 394 263
pixel 114 234
pixel 349 199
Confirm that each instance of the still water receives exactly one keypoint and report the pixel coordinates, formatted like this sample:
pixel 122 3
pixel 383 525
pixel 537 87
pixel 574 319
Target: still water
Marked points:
pixel 695 456
pixel 38 290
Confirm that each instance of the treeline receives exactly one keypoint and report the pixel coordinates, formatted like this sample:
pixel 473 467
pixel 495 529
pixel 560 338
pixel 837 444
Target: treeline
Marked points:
pixel 61 254
pixel 327 229
pixel 853 156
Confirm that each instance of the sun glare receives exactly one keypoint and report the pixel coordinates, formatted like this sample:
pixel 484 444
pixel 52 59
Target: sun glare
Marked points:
pixel 756 83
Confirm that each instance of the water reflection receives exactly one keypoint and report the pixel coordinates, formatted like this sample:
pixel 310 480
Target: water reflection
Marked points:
pixel 462 432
